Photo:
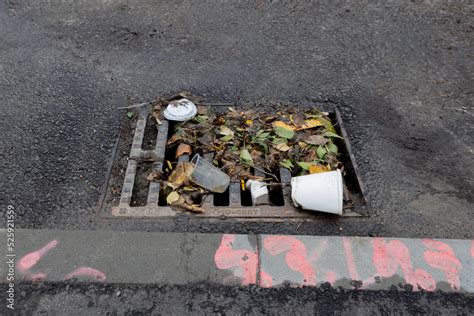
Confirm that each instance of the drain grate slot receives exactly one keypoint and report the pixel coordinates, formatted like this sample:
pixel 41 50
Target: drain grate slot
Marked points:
pixel 140 191
pixel 140 198
pixel 276 191
pixel 222 199
pixel 150 134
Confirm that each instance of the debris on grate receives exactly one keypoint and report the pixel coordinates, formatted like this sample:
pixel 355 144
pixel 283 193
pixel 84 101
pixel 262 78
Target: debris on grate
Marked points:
pixel 255 165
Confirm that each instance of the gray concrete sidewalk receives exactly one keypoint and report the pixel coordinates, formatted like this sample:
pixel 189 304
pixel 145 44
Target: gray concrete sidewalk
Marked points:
pixel 265 260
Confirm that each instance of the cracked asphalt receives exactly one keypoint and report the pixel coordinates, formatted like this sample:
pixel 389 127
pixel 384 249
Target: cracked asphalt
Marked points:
pixel 400 72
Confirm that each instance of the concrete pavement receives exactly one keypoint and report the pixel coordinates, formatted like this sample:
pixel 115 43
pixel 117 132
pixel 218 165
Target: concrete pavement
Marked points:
pixel 229 259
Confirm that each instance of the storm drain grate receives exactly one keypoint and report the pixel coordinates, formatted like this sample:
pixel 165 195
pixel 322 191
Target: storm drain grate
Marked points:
pixel 135 202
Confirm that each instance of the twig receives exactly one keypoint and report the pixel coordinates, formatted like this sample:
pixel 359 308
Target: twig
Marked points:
pixel 217 104
pixel 273 184
pixel 136 105
pixel 304 221
pixel 268 174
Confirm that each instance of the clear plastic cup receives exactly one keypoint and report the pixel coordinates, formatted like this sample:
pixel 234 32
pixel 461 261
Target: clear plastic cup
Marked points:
pixel 206 175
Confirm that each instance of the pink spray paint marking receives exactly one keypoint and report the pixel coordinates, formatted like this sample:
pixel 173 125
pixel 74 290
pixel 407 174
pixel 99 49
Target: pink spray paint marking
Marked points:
pixel 389 256
pixel 266 279
pixel 351 266
pixel 441 256
pixel 31 259
pixel 350 259
pixel 35 277
pixel 331 277
pixel 228 258
pixel 295 258
pixel 86 272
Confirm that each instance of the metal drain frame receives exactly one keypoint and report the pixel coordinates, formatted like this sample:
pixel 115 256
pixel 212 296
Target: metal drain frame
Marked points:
pixel 233 210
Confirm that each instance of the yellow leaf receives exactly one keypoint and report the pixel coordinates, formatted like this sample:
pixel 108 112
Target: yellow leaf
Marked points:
pixel 302 145
pixel 283 125
pixel 310 124
pixel 318 168
pixel 172 197
pixel 249 122
pixel 282 147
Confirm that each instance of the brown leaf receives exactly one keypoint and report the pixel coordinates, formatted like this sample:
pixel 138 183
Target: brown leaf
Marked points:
pixel 174 139
pixel 202 110
pixel 282 147
pixel 181 202
pixel 316 140
pixel 297 119
pixel 255 153
pixel 302 145
pixel 183 149
pixel 180 174
pixel 155 175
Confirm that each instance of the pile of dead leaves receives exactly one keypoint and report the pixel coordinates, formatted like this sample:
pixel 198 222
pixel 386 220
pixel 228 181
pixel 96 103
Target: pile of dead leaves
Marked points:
pixel 243 141
pixel 178 188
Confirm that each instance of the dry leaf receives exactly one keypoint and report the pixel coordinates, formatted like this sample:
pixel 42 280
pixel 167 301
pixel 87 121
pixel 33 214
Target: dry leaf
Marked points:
pixel 225 131
pixel 281 147
pixel 202 110
pixel 174 139
pixel 302 145
pixel 318 168
pixel 181 202
pixel 157 114
pixel 183 149
pixel 154 175
pixel 316 140
pixel 310 124
pixel 172 197
pixel 180 174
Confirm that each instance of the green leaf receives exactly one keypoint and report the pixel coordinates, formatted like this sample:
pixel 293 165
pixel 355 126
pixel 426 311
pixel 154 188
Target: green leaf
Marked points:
pixel 227 138
pixel 331 134
pixel 277 141
pixel 201 118
pixel 321 151
pixel 287 164
pixel 304 165
pixel 130 114
pixel 328 125
pixel 246 157
pixel 283 132
pixel 332 148
pixel 262 135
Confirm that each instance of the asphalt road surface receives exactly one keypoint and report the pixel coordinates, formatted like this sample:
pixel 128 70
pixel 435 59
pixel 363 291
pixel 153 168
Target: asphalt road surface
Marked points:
pixel 400 72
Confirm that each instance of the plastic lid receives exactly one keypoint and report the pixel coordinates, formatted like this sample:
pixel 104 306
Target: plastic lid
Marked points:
pixel 180 110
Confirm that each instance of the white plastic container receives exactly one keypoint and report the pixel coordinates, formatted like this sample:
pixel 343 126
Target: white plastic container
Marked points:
pixel 258 192
pixel 181 110
pixel 318 192
pixel 206 175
